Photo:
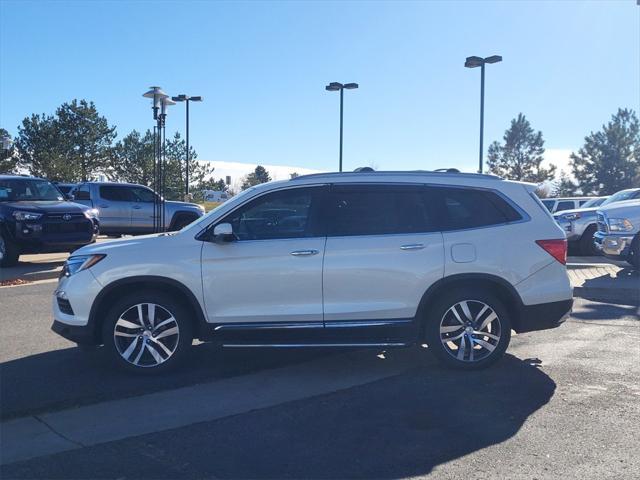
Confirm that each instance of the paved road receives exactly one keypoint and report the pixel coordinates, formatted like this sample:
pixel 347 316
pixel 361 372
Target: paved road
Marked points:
pixel 564 404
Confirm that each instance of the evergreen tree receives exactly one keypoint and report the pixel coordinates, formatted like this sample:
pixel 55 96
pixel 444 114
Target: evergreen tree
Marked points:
pixel 564 186
pixel 258 176
pixel 8 156
pixel 521 155
pixel 610 159
pixel 73 145
pixel 132 159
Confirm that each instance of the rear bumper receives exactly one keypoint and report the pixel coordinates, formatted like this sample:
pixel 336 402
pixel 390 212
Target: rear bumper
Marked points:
pixel 543 316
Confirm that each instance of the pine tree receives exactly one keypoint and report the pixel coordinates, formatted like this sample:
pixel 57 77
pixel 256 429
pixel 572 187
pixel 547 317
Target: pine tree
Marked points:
pixel 258 176
pixel 564 186
pixel 610 159
pixel 521 156
pixel 8 156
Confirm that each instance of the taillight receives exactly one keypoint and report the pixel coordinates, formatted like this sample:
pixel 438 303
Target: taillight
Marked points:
pixel 556 248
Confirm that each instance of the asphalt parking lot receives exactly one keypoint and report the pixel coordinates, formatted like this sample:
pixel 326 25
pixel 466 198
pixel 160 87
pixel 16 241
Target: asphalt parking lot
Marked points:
pixel 563 403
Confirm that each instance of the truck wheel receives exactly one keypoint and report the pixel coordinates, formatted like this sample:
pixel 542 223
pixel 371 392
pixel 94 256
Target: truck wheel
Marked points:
pixel 9 252
pixel 634 252
pixel 587 247
pixel 468 329
pixel 182 221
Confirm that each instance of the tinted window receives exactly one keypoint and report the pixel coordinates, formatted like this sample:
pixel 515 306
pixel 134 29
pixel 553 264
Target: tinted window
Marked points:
pixel 116 194
pixel 549 204
pixel 377 210
pixel 82 193
pixel 468 208
pixel 285 214
pixel 142 194
pixel 565 205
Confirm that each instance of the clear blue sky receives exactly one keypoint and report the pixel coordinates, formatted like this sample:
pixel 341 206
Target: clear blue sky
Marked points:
pixel 262 67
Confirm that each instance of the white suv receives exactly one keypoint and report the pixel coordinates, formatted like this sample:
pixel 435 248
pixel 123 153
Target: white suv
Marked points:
pixel 367 259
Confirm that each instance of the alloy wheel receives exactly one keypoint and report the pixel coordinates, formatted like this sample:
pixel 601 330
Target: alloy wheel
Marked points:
pixel 470 331
pixel 3 248
pixel 146 335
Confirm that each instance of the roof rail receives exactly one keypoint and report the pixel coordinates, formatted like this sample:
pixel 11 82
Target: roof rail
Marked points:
pixel 369 170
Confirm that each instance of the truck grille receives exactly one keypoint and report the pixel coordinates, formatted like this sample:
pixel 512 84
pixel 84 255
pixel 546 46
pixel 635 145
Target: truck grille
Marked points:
pixel 602 223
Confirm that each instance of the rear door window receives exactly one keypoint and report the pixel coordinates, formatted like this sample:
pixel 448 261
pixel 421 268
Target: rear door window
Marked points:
pixel 378 210
pixel 549 204
pixel 462 208
pixel 116 193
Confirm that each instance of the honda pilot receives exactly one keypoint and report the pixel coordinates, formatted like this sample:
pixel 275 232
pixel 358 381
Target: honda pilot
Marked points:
pixel 451 261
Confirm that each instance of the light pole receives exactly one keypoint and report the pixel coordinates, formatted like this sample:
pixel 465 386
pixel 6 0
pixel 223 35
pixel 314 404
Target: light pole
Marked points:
pixel 157 95
pixel 473 62
pixel 186 99
pixel 333 87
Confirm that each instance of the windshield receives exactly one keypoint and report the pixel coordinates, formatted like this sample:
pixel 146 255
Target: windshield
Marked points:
pixel 594 202
pixel 620 196
pixel 27 189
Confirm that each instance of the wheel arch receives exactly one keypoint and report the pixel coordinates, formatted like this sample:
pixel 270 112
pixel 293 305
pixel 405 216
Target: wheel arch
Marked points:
pixel 494 284
pixel 168 285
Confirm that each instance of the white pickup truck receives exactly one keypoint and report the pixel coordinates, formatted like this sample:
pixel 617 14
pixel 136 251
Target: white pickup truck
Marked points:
pixel 618 234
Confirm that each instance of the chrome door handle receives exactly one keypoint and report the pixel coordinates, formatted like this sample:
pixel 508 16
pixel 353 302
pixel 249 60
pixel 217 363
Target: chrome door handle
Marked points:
pixel 304 253
pixel 412 246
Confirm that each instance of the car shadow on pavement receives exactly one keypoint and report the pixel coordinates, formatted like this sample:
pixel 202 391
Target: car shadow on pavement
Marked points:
pixel 596 311
pixel 31 271
pixel 397 427
pixel 72 377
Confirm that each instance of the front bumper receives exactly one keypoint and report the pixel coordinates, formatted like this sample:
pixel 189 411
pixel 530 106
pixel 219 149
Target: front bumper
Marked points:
pixel 613 245
pixel 543 316
pixel 80 334
pixel 54 236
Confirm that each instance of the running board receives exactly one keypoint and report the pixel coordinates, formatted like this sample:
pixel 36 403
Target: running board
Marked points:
pixel 315 345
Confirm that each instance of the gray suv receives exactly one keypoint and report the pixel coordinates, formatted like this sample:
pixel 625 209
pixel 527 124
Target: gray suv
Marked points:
pixel 125 208
pixel 580 224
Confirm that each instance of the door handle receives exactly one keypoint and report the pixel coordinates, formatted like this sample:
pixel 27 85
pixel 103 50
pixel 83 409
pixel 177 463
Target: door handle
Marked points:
pixel 103 206
pixel 412 246
pixel 136 207
pixel 304 253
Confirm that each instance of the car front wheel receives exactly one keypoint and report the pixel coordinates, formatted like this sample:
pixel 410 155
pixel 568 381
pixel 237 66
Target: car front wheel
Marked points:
pixel 468 330
pixel 147 333
pixel 9 252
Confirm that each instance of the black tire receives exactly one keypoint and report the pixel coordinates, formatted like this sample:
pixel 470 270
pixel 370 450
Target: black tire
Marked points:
pixel 441 312
pixel 587 248
pixel 182 221
pixel 126 307
pixel 9 252
pixel 634 253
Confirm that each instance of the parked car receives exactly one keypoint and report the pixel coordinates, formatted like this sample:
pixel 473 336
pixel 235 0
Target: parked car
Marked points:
pixel 569 203
pixel 34 218
pixel 127 208
pixel 618 234
pixel 371 259
pixel 580 224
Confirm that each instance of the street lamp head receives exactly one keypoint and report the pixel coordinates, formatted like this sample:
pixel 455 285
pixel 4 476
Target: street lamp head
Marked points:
pixel 493 59
pixel 334 87
pixel 473 62
pixel 350 86
pixel 166 103
pixel 156 95
pixel 196 98
pixel 179 98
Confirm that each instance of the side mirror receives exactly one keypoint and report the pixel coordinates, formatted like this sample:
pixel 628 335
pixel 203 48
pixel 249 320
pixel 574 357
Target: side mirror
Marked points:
pixel 223 232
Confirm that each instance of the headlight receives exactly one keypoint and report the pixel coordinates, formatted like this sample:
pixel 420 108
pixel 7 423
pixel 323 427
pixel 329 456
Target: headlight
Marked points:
pixel 569 216
pixel 620 225
pixel 26 216
pixel 91 213
pixel 78 263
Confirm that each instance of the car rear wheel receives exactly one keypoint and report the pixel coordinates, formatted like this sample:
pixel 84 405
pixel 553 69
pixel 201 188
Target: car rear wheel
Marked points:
pixel 9 252
pixel 468 330
pixel 147 333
